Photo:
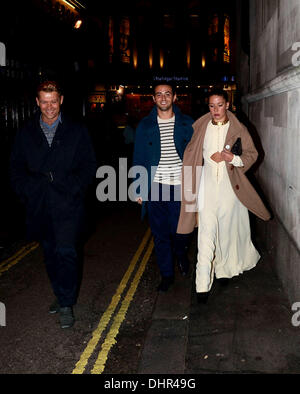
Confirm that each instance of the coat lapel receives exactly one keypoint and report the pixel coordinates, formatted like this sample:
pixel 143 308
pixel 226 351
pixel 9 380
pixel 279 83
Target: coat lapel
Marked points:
pixel 193 158
pixel 198 140
pixel 38 134
pixel 233 130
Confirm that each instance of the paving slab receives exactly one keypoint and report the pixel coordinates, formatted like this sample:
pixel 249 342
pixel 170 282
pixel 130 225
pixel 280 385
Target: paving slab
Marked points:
pixel 245 328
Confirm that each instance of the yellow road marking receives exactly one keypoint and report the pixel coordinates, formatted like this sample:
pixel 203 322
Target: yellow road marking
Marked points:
pixel 4 262
pixel 119 318
pixel 81 364
pixel 11 261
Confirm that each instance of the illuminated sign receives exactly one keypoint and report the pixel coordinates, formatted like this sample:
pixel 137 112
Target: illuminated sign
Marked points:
pixel 174 78
pixel 97 97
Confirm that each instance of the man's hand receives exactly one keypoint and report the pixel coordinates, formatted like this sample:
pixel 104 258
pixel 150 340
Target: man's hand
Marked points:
pixel 139 200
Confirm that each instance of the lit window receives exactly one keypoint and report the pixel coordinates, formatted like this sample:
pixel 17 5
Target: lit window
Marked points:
pixel 226 40
pixel 214 25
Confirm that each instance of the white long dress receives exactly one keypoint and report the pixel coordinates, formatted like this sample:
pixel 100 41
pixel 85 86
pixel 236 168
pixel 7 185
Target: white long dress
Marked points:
pixel 224 238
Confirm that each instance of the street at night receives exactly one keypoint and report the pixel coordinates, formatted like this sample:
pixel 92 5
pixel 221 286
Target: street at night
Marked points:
pixel 100 108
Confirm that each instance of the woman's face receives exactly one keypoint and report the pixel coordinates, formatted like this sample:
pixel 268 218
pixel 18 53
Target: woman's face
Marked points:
pixel 218 107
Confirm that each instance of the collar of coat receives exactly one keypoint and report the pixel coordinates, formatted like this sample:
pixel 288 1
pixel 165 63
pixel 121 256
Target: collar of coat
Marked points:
pixel 176 110
pixel 193 155
pixel 38 134
pixel 234 129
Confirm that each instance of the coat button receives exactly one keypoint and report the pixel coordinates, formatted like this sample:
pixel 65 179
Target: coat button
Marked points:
pixel 231 167
pixel 150 143
pixel 237 187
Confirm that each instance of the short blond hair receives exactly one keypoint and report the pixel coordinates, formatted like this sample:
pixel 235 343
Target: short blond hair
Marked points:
pixel 49 86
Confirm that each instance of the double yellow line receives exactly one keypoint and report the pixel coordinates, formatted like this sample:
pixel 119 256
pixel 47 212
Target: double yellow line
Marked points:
pixel 110 338
pixel 11 261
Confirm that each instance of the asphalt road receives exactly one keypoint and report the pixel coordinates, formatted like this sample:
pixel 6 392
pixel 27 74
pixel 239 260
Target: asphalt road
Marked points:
pixel 113 312
pixel 125 329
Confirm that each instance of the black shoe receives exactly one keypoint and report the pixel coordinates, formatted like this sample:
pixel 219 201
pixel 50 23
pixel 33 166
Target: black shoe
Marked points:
pixel 184 266
pixel 202 297
pixel 66 317
pixel 165 283
pixel 54 307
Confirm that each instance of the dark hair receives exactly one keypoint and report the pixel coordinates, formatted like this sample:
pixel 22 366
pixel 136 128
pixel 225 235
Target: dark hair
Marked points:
pixel 49 86
pixel 164 82
pixel 218 92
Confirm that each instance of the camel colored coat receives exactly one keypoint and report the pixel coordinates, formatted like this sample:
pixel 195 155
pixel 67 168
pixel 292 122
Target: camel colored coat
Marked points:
pixel 191 172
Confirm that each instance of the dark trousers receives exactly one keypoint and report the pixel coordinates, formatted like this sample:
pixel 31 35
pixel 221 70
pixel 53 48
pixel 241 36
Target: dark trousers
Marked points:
pixel 62 268
pixel 163 213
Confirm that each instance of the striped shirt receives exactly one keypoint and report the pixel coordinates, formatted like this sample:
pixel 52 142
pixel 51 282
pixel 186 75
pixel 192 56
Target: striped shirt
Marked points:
pixel 170 164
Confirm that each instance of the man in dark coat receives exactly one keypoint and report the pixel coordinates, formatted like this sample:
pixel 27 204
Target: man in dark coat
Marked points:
pixel 161 138
pixel 52 164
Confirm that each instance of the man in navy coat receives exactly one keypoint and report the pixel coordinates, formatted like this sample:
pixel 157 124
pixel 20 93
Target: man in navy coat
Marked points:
pixel 52 164
pixel 161 138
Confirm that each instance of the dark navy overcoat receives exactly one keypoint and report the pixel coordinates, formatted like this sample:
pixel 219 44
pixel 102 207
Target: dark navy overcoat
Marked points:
pixel 52 181
pixel 147 149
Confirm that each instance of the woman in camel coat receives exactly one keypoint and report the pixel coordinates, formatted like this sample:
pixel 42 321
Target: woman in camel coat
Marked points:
pixel 217 195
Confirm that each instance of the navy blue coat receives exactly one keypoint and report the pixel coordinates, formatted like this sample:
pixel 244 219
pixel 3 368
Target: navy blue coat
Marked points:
pixel 54 202
pixel 147 145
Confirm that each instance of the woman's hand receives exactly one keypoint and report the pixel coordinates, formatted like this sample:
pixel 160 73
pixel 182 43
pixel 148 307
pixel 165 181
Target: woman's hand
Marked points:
pixel 217 157
pixel 227 155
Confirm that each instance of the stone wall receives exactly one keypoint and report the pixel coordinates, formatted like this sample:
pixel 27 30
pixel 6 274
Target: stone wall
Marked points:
pixel 273 107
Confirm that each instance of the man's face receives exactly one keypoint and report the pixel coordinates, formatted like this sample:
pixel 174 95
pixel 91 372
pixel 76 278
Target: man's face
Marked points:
pixel 164 97
pixel 217 107
pixel 49 103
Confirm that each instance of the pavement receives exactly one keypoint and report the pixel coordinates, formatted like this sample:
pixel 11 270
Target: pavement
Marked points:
pixel 245 327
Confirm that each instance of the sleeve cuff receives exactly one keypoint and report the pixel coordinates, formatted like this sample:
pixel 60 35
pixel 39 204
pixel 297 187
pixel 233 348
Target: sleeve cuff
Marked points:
pixel 237 161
